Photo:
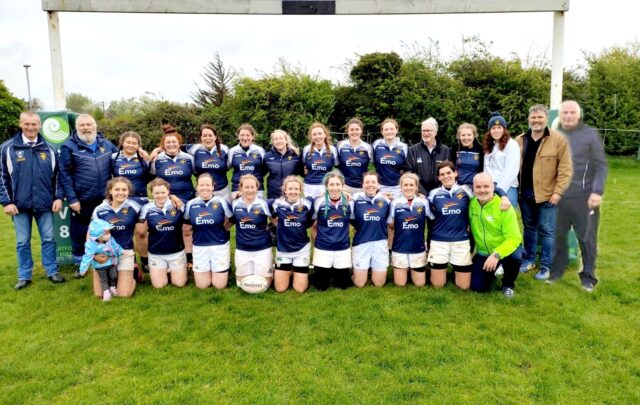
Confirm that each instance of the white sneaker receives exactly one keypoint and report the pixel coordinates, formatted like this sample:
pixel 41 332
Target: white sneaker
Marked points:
pixel 113 291
pixel 499 271
pixel 106 295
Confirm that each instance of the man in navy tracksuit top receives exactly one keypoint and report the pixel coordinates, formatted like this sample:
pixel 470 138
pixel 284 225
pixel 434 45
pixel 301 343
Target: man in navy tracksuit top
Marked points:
pixel 29 190
pixel 85 168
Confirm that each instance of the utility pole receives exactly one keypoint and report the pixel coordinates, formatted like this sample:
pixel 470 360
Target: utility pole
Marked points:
pixel 26 68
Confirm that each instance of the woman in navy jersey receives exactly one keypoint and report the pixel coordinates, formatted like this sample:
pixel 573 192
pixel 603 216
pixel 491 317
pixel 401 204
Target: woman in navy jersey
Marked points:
pixel 209 216
pixel 176 168
pixel 166 247
pixel 389 156
pixel 210 156
pixel 469 156
pixel 251 216
pixel 292 215
pixel 450 237
pixel 122 212
pixel 282 160
pixel 330 233
pixel 370 246
pixel 132 162
pixel 319 158
pixel 246 158
pixel 354 156
pixel 407 218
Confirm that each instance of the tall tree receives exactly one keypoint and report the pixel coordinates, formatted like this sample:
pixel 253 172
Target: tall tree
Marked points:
pixel 217 84
pixel 79 103
pixel 10 109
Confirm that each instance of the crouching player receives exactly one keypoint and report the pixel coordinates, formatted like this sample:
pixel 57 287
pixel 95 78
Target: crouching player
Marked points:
pixel 449 210
pixel 497 238
pixel 292 216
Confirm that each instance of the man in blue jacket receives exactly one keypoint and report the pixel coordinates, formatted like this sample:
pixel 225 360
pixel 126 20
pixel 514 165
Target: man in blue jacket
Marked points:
pixel 28 190
pixel 85 168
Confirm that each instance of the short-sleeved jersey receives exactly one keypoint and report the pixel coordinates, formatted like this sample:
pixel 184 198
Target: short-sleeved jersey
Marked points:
pixel 409 220
pixel 389 160
pixel 212 162
pixel 318 163
pixel 293 221
pixel 354 162
pixel 244 162
pixel 251 224
pixel 279 166
pixel 332 224
pixel 468 164
pixel 369 217
pixel 450 211
pixel 165 227
pixel 207 219
pixel 177 171
pixel 135 169
pixel 123 219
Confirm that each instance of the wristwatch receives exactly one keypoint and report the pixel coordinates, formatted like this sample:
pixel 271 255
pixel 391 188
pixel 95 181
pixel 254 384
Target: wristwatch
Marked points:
pixel 497 255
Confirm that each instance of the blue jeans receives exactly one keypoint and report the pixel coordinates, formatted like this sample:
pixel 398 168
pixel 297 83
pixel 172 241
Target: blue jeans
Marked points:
pixel 538 219
pixel 22 223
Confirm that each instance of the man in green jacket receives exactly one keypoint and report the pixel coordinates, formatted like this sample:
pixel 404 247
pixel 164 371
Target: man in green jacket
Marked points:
pixel 497 238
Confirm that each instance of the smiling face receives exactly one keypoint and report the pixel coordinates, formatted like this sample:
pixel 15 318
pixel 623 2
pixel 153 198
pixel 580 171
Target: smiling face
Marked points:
pixel 496 131
pixel 569 115
pixel 171 145
pixel 334 187
pixel 279 142
pixel 318 137
pixel 447 176
pixel 119 192
pixel 30 125
pixel 249 189
pixel 537 121
pixel 130 146
pixel 354 132
pixel 409 188
pixel 86 128
pixel 429 133
pixel 466 137
pixel 292 191
pixel 389 131
pixel 160 194
pixel 483 187
pixel 205 187
pixel 208 138
pixel 370 185
pixel 245 137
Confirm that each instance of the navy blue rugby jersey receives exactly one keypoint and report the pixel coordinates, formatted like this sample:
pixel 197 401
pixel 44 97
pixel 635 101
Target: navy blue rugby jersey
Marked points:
pixel 332 224
pixel 468 164
pixel 369 217
pixel 318 163
pixel 408 220
pixel 354 162
pixel 244 162
pixel 165 227
pixel 207 219
pixel 450 210
pixel 293 221
pixel 177 171
pixel 123 219
pixel 279 166
pixel 133 168
pixel 389 160
pixel 251 224
pixel 212 162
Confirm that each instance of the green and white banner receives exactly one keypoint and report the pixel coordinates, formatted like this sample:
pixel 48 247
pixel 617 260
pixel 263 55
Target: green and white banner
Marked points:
pixel 56 128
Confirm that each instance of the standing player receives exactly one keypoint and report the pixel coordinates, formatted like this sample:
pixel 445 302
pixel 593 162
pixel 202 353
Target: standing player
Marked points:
pixel 370 248
pixel 319 158
pixel 389 157
pixel 246 158
pixel 354 156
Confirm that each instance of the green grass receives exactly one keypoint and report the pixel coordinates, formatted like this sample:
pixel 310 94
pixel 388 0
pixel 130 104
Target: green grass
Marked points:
pixel 550 344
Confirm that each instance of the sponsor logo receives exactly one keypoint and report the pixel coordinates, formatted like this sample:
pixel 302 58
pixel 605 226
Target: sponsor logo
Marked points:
pixel 332 223
pixel 387 159
pixel 164 226
pixel 245 223
pixel 407 224
pixel 114 222
pixel 353 161
pixel 319 165
pixel 173 171
pixel 290 221
pixel 210 164
pixel 246 165
pixel 127 169
pixel 368 215
pixel 448 210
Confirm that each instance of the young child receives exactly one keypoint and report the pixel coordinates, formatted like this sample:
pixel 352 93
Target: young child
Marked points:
pixel 101 242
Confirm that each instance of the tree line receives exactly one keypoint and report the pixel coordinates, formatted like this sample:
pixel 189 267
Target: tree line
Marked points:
pixel 410 89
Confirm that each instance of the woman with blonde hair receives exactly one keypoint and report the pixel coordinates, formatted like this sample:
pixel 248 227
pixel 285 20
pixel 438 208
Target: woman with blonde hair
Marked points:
pixel 282 160
pixel 319 158
pixel 389 157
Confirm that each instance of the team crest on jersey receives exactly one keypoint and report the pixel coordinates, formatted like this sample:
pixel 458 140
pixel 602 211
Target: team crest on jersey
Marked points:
pixel 419 210
pixel 459 195
pixel 43 156
pixel 256 211
pixel 361 153
pixel 174 212
pixel 20 156
pixel 397 151
pixel 125 211
pixel 380 204
pixel 102 149
pixel 289 157
pixel 300 208
pixel 183 161
pixel 255 155
pixel 215 206
pixel 476 157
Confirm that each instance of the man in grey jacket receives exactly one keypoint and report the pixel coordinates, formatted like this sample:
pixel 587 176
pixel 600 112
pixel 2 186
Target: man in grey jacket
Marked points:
pixel 580 205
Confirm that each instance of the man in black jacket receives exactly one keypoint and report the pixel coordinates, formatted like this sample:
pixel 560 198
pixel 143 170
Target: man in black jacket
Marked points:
pixel 580 205
pixel 423 158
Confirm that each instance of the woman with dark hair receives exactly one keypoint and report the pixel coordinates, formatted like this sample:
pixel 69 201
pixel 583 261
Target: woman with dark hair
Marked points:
pixel 319 158
pixel 502 157
pixel 282 160
pixel 122 212
pixel 210 156
pixel 354 156
pixel 246 158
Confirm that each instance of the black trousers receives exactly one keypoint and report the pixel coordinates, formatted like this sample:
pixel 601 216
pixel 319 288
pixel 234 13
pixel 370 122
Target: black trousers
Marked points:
pixel 108 277
pixel 481 280
pixel 78 226
pixel 575 212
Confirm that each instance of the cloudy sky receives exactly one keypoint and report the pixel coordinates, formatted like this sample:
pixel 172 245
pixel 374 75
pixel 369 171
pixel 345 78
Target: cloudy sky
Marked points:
pixel 113 56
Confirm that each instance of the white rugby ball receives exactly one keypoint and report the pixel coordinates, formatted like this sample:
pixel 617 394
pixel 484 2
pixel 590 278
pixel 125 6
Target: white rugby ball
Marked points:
pixel 254 284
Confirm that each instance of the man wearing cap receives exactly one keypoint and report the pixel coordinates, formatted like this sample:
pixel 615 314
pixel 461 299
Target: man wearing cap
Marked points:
pixel 545 173
pixel 580 205
pixel 85 168
pixel 28 191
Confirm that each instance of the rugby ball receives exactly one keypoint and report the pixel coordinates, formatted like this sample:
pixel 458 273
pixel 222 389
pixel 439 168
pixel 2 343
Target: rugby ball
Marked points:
pixel 254 284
